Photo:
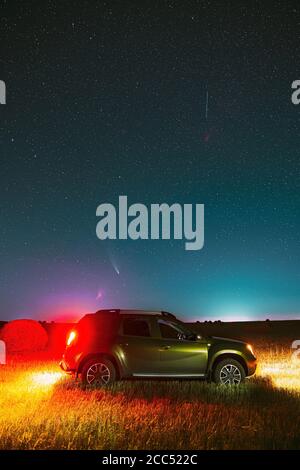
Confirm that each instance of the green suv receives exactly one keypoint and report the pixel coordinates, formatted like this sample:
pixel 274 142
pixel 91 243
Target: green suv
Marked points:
pixel 115 344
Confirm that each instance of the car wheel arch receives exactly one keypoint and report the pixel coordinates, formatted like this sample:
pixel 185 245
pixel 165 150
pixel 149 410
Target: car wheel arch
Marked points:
pixel 228 355
pixel 99 356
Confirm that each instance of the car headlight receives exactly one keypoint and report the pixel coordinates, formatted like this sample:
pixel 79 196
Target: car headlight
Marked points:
pixel 250 349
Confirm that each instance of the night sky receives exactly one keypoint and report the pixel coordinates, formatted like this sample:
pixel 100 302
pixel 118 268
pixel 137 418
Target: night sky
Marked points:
pixel 107 99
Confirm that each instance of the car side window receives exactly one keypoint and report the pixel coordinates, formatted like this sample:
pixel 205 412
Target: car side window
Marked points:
pixel 168 331
pixel 136 327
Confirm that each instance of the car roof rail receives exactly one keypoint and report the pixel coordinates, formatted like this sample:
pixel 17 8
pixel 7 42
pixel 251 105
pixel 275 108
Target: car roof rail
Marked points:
pixel 108 310
pixel 137 312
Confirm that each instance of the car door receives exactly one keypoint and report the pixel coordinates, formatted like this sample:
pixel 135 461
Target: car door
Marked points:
pixel 179 356
pixel 139 346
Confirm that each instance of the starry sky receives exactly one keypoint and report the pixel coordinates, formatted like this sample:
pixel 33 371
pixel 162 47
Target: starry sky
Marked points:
pixel 107 99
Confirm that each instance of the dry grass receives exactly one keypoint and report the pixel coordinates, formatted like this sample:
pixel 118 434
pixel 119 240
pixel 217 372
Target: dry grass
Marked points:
pixel 43 409
pixel 277 362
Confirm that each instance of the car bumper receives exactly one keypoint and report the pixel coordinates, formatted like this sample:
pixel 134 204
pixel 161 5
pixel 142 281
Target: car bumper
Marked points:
pixel 65 367
pixel 251 367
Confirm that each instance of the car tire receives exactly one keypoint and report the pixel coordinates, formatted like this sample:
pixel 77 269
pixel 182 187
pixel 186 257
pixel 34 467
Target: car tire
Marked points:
pixel 98 372
pixel 229 372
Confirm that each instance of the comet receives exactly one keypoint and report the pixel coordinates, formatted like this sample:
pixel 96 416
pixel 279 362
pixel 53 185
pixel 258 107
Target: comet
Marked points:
pixel 116 269
pixel 99 295
pixel 113 262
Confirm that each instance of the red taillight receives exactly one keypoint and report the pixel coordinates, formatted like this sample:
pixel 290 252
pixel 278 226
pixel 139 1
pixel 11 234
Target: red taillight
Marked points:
pixel 71 337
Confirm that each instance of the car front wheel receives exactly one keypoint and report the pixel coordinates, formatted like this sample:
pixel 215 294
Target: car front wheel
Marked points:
pixel 229 372
pixel 98 372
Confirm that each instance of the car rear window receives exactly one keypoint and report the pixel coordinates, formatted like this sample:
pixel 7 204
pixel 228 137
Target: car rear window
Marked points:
pixel 103 325
pixel 135 327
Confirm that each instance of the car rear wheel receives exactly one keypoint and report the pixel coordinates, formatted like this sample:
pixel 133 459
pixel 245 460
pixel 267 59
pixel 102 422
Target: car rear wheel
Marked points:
pixel 98 372
pixel 229 372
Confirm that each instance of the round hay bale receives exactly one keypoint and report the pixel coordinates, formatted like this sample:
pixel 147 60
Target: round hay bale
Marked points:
pixel 24 336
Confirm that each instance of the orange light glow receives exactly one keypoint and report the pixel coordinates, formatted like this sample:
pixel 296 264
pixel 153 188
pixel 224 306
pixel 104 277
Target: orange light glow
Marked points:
pixel 71 338
pixel 46 378
pixel 250 349
pixel 284 374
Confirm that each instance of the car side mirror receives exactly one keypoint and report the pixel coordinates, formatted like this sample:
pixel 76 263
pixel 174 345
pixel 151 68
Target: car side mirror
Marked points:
pixel 194 337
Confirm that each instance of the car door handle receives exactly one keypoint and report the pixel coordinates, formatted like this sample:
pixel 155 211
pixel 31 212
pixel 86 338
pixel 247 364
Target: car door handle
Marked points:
pixel 165 348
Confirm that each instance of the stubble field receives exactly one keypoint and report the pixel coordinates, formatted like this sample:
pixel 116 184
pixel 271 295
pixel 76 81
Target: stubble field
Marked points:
pixel 41 408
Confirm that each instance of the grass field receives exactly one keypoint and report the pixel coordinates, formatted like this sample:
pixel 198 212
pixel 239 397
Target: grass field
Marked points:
pixel 43 409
